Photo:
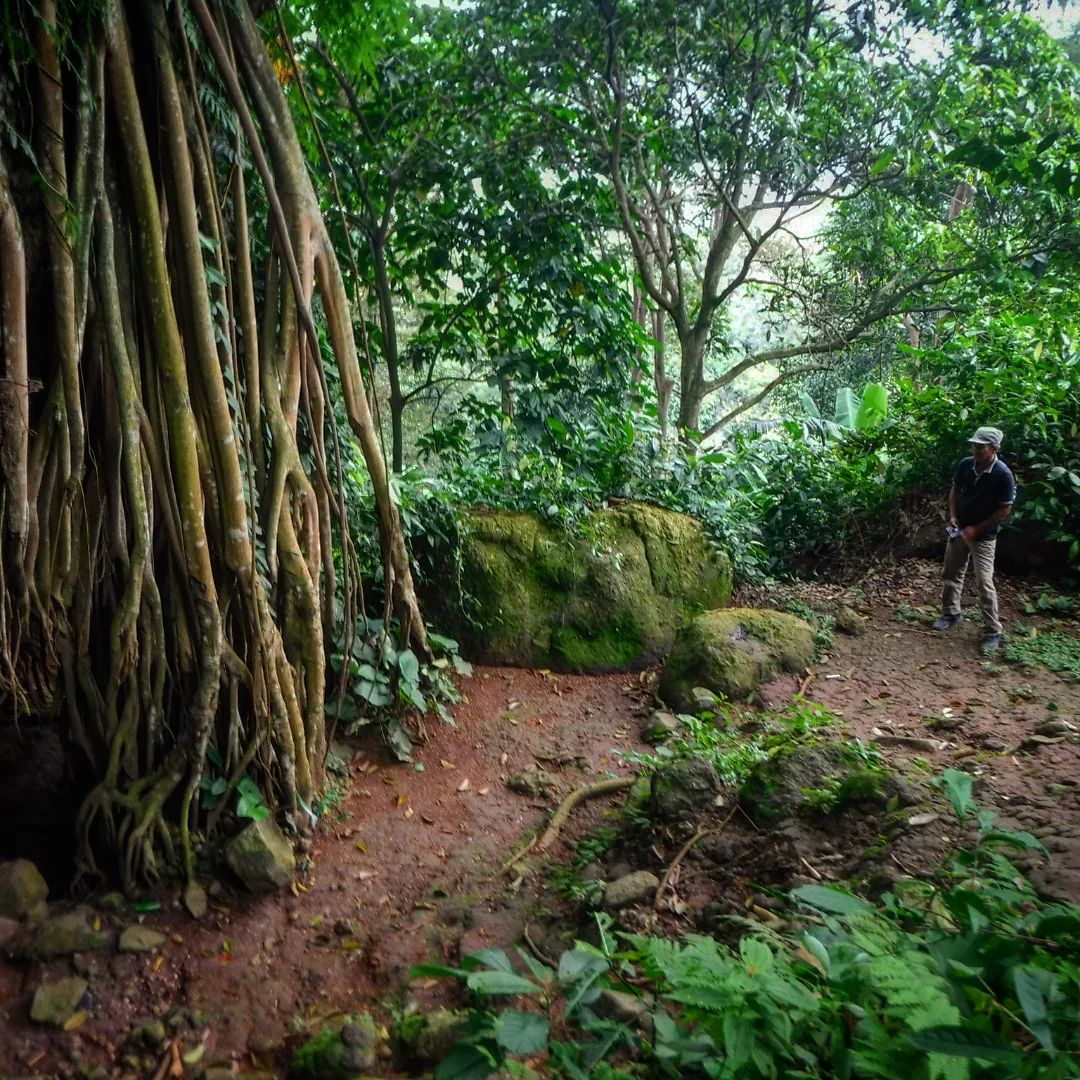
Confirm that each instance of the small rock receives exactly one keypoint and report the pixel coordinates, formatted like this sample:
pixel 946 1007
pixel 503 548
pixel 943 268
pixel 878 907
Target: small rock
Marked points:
pixel 994 744
pixel 261 857
pixel 426 1043
pixel 922 819
pixel 1033 742
pixel 631 889
pixel 56 1002
pixel 849 621
pixel 910 742
pixel 22 888
pixel 150 1034
pixel 140 939
pixel 1054 726
pixel 9 931
pixel 592 872
pixel 195 900
pixel 112 902
pixel 63 935
pixel 702 699
pixel 532 782
pixel 623 1008
pixel 660 727
pixel 683 789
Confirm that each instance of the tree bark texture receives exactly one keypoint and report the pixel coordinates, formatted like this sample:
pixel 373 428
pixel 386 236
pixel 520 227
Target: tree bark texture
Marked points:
pixel 171 499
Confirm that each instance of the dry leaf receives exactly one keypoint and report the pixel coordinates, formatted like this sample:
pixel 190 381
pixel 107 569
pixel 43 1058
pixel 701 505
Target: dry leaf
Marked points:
pixel 158 961
pixel 427 820
pixel 512 705
pixel 387 778
pixel 447 764
pixel 76 1020
pixel 483 791
pixel 361 847
pixel 408 811
pixel 504 758
pixel 364 875
pixel 402 800
pixel 464 785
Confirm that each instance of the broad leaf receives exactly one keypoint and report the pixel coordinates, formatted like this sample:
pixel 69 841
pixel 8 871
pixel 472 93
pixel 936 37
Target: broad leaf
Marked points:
pixel 826 898
pixel 959 1041
pixel 500 982
pixel 521 1032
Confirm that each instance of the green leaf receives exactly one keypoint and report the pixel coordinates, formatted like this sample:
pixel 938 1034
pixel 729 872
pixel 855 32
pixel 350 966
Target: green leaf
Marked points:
pixel 465 1062
pixel 873 407
pixel 409 666
pixel 967 1042
pixel 845 407
pixel 521 1032
pixel 826 898
pixel 1029 993
pixel 500 982
pixel 577 964
pixel 957 786
pixel 495 959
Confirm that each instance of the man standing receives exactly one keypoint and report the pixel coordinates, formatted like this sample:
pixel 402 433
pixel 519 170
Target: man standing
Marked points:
pixel 980 499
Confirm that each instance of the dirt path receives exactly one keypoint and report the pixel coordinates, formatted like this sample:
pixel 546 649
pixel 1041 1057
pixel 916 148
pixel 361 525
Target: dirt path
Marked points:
pixel 409 867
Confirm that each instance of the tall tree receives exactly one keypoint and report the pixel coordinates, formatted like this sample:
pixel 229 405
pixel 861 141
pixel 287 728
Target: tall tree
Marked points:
pixel 168 451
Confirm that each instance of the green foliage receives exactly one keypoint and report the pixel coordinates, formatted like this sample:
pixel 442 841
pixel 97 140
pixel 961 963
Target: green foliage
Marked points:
pixel 382 682
pixel 1053 649
pixel 967 975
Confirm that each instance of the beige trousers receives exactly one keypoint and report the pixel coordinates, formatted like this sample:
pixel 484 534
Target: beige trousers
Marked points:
pixel 981 553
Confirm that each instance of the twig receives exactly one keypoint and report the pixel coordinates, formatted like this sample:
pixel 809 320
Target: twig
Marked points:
pixel 562 812
pixel 804 684
pixel 535 949
pixel 521 854
pixel 814 873
pixel 682 854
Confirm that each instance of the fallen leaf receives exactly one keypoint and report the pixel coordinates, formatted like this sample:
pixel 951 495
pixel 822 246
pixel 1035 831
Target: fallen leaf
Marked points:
pixel 503 759
pixel 158 961
pixel 512 705
pixel 427 820
pixel 361 847
pixel 408 811
pixel 447 764
pixel 402 800
pixel 364 875
pixel 76 1020
pixel 483 791
pixel 922 819
pixel 387 778
pixel 464 785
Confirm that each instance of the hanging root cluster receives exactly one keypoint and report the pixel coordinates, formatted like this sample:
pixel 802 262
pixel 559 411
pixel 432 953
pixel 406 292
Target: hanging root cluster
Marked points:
pixel 170 503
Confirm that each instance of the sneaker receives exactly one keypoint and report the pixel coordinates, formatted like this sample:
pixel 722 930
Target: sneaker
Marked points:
pixel 946 622
pixel 990 644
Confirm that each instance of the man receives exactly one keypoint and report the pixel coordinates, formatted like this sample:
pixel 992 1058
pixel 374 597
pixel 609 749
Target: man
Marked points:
pixel 980 499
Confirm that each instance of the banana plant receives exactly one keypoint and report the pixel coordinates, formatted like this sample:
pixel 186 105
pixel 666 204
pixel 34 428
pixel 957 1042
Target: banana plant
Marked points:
pixel 865 414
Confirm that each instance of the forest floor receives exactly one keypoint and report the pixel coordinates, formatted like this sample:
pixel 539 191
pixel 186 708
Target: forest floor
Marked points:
pixel 409 866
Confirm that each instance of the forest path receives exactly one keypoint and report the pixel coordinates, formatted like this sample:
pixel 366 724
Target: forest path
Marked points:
pixel 408 867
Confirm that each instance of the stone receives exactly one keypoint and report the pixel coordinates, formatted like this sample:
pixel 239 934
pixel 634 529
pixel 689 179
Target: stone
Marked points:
pixel 632 889
pixel 849 621
pixel 1055 726
pixel 345 1048
pixel 22 888
pixel 112 902
pixel 778 787
pixel 426 1039
pixel 532 782
pixel 623 1008
pixel 56 1002
pixel 659 727
pixel 610 597
pixel 732 652
pixel 683 790
pixel 261 857
pixel 195 899
pixel 140 939
pixel 701 699
pixel 65 934
pixel 9 931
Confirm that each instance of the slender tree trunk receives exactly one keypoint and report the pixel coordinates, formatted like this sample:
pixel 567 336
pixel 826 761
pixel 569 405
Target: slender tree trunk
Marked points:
pixel 663 382
pixel 388 322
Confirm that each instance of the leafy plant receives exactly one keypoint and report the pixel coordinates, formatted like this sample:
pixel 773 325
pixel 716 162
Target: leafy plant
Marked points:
pixel 1054 649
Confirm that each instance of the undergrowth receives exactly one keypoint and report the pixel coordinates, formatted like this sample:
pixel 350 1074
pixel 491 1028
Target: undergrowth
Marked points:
pixel 965 975
pixel 1054 649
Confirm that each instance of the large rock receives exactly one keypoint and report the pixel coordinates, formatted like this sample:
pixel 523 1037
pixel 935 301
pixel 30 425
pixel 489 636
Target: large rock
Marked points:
pixel 56 1002
pixel 683 790
pixel 612 598
pixel 261 857
pixel 22 888
pixel 62 935
pixel 140 939
pixel 632 888
pixel 731 652
pixel 781 786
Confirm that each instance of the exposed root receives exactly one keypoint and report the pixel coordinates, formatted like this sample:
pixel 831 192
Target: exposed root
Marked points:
pixel 682 852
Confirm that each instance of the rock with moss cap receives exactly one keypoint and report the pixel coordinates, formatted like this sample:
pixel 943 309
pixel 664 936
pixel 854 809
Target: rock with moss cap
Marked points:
pixel 261 857
pixel 347 1047
pixel 609 598
pixel 732 652
pixel 22 888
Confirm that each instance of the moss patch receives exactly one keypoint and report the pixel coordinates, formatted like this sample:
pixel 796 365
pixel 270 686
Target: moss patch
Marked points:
pixel 609 599
pixel 731 652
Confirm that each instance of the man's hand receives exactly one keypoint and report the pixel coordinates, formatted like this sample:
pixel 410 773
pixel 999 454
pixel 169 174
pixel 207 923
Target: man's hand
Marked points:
pixel 969 534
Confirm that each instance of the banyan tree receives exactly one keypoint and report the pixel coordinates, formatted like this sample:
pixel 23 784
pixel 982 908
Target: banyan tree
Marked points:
pixel 176 341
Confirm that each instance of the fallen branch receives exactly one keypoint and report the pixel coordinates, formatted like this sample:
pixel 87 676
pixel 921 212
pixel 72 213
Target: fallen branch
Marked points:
pixel 673 865
pixel 564 809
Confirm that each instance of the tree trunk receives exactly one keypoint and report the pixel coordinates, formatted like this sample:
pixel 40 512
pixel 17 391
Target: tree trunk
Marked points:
pixel 172 499
pixel 388 322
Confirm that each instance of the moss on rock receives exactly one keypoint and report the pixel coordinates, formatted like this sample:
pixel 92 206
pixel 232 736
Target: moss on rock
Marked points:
pixel 610 599
pixel 731 652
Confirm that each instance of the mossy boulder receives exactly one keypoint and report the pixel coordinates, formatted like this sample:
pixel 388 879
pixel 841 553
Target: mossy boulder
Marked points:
pixel 611 598
pixel 786 784
pixel 732 652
